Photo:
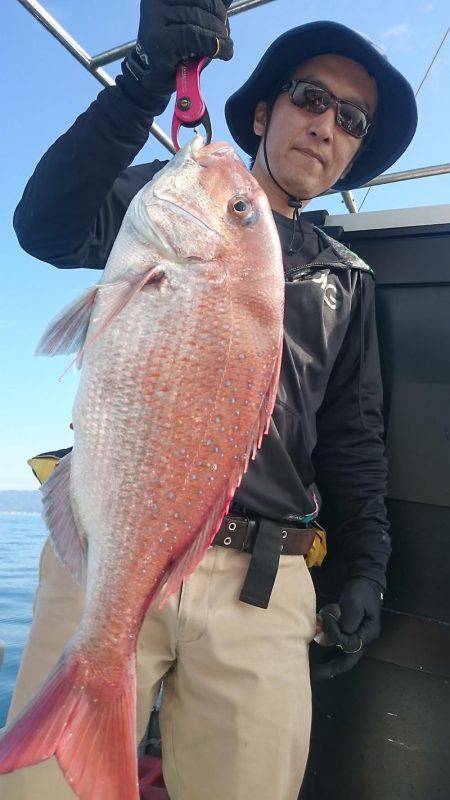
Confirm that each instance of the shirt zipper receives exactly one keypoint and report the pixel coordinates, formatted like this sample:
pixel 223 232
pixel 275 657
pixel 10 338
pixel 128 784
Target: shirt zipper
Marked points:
pixel 295 274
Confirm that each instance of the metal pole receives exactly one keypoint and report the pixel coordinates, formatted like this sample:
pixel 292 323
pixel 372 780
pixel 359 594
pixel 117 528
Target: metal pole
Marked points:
pixel 406 175
pixel 350 202
pixel 93 65
pixel 114 54
pixel 245 5
pixel 75 49
pixel 108 56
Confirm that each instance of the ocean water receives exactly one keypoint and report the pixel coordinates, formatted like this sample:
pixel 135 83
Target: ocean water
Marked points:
pixel 21 540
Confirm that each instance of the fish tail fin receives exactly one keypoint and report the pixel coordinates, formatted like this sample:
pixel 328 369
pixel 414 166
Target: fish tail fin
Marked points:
pixel 87 724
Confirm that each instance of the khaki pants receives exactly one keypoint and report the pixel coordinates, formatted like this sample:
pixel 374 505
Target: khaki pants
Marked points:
pixel 236 710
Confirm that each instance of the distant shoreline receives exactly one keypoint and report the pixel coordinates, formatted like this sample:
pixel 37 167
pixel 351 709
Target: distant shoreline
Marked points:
pixel 21 513
pixel 20 502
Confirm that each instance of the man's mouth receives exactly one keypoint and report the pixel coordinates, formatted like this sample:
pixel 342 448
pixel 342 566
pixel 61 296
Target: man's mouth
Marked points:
pixel 310 154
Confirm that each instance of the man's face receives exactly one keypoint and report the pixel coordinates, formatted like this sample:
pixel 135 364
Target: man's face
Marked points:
pixel 292 128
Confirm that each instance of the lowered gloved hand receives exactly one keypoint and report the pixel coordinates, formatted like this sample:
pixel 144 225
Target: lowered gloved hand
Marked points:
pixel 358 625
pixel 170 31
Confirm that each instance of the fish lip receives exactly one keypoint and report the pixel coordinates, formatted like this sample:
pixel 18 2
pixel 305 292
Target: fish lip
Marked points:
pixel 197 143
pixel 226 148
pixel 213 150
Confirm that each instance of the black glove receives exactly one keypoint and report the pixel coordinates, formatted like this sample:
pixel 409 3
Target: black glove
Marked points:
pixel 359 624
pixel 170 31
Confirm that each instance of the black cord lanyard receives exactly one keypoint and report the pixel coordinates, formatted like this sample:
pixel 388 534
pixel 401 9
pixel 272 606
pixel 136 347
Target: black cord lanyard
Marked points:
pixel 293 202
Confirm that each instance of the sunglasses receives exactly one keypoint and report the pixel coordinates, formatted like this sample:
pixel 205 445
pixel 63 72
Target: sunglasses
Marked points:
pixel 352 119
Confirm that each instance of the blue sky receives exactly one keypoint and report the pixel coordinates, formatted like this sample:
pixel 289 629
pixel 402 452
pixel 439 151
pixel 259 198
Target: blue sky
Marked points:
pixel 44 89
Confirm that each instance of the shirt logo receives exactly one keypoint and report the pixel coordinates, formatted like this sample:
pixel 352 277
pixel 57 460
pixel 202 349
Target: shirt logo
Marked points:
pixel 329 292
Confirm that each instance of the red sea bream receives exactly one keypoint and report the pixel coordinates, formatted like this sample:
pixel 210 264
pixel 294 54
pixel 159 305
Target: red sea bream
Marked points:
pixel 180 345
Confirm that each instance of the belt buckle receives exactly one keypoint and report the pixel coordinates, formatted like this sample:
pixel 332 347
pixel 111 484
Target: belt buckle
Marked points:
pixel 250 535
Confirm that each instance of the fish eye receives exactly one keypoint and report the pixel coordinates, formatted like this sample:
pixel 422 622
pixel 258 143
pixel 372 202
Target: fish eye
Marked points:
pixel 242 209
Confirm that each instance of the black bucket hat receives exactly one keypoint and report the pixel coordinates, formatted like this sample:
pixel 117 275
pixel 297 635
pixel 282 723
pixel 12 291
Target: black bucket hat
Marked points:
pixel 396 115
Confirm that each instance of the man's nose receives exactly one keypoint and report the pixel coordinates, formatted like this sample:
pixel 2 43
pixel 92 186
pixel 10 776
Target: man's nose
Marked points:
pixel 323 125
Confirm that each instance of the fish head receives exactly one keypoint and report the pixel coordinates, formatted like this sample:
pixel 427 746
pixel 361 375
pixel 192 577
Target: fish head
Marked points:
pixel 241 211
pixel 204 207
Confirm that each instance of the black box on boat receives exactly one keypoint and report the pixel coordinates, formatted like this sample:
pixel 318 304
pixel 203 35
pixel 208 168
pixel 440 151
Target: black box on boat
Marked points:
pixel 380 732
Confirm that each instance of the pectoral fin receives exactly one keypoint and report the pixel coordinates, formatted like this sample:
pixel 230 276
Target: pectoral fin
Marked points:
pixel 68 331
pixel 120 295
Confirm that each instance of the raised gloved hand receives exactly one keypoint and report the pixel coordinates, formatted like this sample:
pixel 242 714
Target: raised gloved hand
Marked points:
pixel 358 625
pixel 170 31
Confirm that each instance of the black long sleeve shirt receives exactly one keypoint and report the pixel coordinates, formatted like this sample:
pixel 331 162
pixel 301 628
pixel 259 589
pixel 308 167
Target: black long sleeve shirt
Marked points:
pixel 326 432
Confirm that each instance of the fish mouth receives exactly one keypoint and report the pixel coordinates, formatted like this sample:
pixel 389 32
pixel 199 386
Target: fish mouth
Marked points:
pixel 205 154
pixel 186 213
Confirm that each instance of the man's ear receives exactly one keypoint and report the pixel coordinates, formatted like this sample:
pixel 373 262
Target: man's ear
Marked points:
pixel 260 118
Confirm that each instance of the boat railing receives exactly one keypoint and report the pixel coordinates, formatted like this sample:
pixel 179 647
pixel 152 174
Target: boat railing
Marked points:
pixel 95 64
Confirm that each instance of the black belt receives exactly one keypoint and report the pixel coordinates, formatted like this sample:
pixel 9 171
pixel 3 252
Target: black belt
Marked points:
pixel 266 540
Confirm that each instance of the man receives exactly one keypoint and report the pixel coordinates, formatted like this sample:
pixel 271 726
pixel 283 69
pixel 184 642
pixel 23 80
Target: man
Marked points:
pixel 323 108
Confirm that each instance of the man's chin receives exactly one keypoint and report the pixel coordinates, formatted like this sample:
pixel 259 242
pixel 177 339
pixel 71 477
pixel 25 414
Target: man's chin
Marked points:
pixel 306 191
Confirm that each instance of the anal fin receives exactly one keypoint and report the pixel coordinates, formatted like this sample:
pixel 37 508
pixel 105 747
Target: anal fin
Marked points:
pixel 69 543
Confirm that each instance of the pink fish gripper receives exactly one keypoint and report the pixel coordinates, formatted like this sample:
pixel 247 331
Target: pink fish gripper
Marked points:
pixel 190 109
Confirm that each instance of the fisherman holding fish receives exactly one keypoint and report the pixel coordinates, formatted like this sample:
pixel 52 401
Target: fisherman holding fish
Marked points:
pixel 215 293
